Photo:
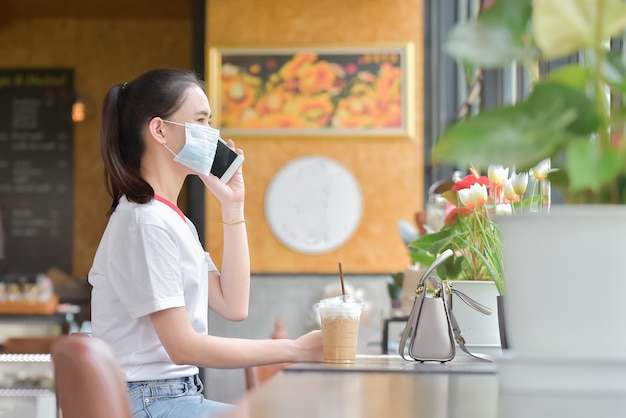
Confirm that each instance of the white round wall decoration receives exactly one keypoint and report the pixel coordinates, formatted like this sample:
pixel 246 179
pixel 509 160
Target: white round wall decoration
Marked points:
pixel 313 205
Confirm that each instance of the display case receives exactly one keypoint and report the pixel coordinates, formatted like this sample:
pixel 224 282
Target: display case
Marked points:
pixel 26 379
pixel 27 386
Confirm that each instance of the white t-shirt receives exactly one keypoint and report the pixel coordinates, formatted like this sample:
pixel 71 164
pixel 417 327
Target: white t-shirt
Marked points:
pixel 149 259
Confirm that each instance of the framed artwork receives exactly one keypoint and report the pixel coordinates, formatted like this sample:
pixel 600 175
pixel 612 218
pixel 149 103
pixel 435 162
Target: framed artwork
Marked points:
pixel 339 91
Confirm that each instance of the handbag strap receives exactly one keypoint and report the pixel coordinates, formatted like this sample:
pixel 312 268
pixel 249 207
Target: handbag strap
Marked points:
pixel 458 334
pixel 472 303
pixel 460 340
pixel 446 287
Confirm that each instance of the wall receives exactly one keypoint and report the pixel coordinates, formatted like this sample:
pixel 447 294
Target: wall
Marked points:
pixel 394 195
pixel 109 49
pixel 102 51
pixel 389 171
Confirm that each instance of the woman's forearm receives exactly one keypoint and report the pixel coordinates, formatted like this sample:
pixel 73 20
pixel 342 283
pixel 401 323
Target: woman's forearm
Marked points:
pixel 229 292
pixel 186 346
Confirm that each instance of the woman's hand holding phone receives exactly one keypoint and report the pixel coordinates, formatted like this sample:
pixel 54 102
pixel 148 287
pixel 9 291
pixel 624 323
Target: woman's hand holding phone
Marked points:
pixel 226 178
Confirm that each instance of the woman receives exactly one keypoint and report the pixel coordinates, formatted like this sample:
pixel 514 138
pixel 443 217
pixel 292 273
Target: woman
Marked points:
pixel 152 281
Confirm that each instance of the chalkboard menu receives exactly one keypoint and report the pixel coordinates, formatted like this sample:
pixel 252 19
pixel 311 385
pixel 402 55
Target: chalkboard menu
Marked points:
pixel 36 134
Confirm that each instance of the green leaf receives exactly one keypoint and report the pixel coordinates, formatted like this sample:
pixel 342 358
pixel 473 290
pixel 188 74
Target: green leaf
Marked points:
pixel 521 135
pixel 485 45
pixel 422 258
pixel 561 27
pixel 561 97
pixel 426 242
pixel 451 269
pixel 495 38
pixel 511 136
pixel 514 14
pixel 589 166
pixel 574 76
pixel 394 285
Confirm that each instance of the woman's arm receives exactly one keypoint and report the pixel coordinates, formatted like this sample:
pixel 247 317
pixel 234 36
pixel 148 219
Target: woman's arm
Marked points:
pixel 185 346
pixel 229 290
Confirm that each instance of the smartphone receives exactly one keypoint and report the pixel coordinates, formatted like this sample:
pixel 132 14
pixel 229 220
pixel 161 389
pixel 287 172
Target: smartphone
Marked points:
pixel 226 161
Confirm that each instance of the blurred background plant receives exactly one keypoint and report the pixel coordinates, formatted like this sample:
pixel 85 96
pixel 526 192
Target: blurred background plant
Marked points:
pixel 395 282
pixel 573 116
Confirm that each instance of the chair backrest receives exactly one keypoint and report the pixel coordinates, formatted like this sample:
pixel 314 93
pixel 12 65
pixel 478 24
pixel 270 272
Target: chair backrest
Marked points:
pixel 258 374
pixel 88 381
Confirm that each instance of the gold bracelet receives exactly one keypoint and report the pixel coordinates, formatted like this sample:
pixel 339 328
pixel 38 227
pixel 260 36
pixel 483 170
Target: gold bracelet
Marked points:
pixel 234 222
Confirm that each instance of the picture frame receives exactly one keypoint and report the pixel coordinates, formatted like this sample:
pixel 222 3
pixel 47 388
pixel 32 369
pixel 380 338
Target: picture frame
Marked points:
pixel 362 91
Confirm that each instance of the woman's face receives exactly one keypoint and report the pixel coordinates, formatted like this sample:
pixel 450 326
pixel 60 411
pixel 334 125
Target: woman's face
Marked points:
pixel 195 109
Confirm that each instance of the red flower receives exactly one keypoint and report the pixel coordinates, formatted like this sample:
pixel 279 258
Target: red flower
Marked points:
pixel 470 180
pixel 451 216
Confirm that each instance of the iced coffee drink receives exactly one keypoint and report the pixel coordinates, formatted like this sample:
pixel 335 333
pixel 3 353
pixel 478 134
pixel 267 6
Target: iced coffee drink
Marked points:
pixel 340 317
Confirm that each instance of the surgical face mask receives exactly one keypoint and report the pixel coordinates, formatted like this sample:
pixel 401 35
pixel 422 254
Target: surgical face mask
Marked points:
pixel 198 152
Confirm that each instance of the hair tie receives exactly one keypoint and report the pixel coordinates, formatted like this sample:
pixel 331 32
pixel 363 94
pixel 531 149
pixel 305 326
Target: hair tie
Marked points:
pixel 123 92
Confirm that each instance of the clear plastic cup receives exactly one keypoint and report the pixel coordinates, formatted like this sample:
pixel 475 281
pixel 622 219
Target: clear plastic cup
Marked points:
pixel 340 317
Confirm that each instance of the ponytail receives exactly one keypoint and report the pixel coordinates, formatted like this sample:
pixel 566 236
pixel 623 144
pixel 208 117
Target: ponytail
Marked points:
pixel 121 164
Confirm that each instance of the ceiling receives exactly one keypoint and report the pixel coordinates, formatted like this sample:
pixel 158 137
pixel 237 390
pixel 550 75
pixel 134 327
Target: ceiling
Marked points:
pixel 86 9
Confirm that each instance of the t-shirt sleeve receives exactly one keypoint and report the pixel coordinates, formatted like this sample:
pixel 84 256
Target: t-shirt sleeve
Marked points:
pixel 209 262
pixel 146 271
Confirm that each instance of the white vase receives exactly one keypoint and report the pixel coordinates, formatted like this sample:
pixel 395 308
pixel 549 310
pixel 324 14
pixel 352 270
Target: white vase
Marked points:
pixel 481 331
pixel 565 281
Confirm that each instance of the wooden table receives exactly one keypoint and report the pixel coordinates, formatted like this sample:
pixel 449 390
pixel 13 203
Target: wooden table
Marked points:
pixel 389 387
pixel 376 386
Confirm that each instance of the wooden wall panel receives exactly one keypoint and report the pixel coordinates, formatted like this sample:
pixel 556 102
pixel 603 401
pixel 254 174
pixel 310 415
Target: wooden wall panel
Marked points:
pixel 101 52
pixel 389 171
pixel 104 51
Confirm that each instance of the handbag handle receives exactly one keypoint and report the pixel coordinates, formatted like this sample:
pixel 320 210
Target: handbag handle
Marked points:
pixel 440 259
pixel 465 298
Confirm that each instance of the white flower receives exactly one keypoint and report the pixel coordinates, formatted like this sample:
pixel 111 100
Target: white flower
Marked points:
pixel 497 174
pixel 509 189
pixel 504 209
pixel 519 181
pixel 541 170
pixel 476 195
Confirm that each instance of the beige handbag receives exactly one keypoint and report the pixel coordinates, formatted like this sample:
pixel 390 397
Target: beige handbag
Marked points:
pixel 432 327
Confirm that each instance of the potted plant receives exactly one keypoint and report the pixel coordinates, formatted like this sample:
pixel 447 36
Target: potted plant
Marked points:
pixel 471 231
pixel 574 117
pixel 395 283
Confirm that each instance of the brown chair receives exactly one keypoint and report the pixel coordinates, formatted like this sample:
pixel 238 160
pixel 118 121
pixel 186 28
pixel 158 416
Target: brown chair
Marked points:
pixel 88 380
pixel 258 374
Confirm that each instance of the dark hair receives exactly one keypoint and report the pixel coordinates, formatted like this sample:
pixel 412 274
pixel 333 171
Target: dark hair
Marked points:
pixel 127 108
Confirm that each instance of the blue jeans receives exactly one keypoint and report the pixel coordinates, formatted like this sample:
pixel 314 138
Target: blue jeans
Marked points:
pixel 172 398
